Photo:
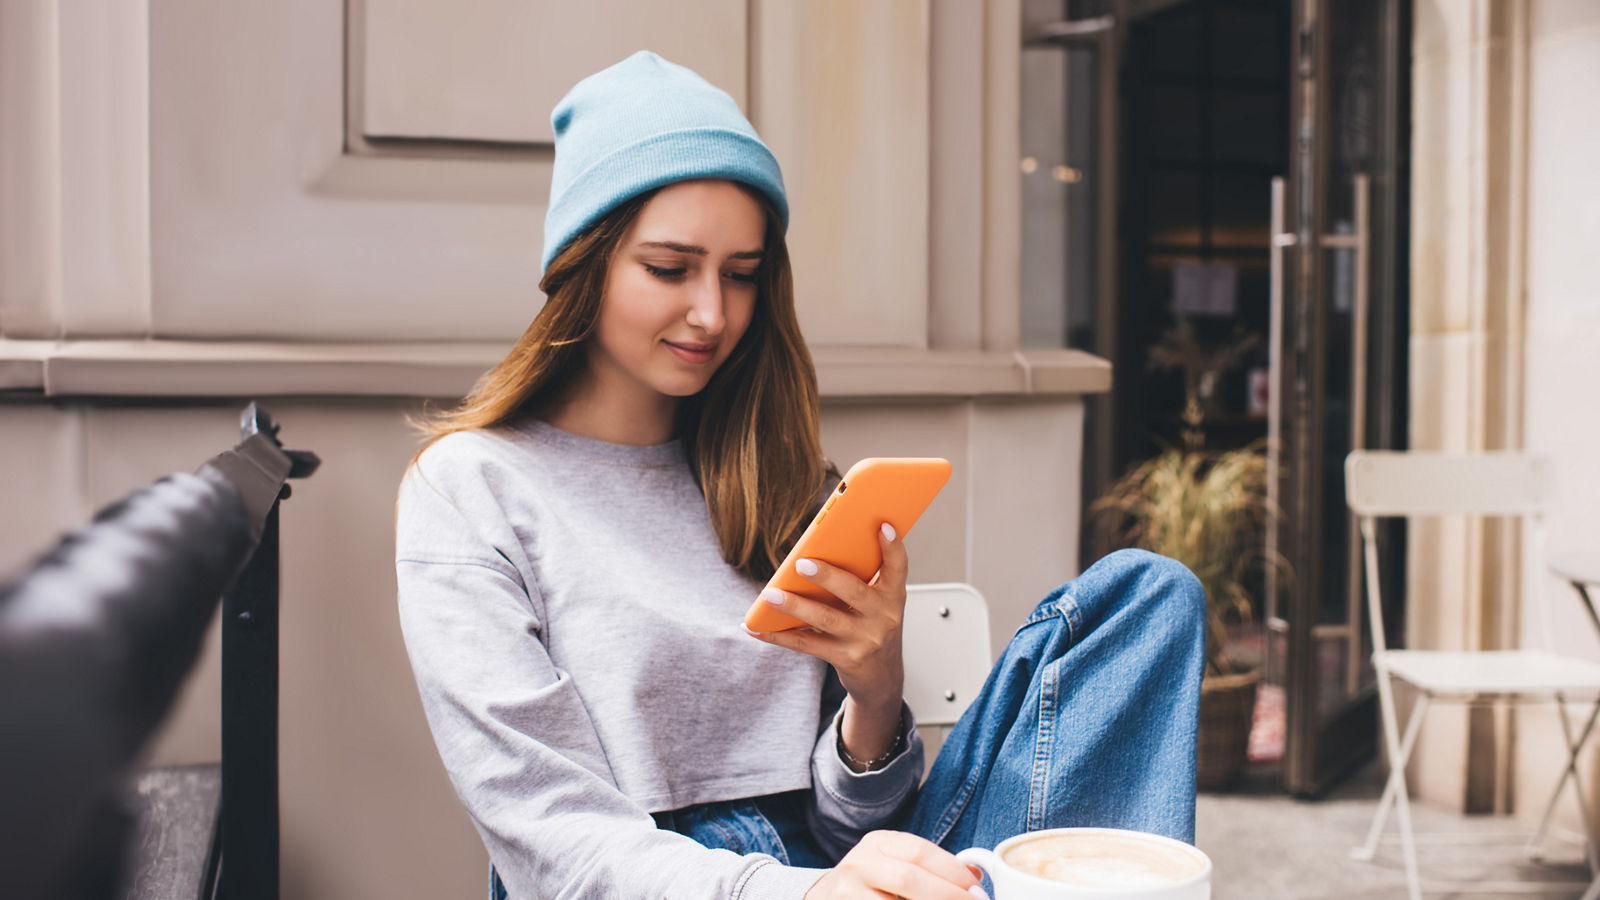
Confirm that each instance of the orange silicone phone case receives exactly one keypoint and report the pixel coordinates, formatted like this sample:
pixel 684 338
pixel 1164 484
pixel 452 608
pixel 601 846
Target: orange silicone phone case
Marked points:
pixel 844 532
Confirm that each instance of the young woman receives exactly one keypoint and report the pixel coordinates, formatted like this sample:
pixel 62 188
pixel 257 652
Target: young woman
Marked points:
pixel 577 545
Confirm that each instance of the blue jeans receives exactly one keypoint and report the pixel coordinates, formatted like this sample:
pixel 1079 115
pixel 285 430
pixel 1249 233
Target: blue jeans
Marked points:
pixel 1088 718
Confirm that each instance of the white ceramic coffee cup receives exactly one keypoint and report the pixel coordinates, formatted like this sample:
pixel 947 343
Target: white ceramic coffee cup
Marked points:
pixel 1013 884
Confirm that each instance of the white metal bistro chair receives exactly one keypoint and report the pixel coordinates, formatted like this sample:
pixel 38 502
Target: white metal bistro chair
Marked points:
pixel 1382 484
pixel 946 649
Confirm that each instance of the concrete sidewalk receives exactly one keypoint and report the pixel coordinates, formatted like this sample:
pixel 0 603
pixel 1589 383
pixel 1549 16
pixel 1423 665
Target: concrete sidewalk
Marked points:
pixel 1267 845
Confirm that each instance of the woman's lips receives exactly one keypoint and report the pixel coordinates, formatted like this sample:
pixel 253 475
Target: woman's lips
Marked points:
pixel 695 354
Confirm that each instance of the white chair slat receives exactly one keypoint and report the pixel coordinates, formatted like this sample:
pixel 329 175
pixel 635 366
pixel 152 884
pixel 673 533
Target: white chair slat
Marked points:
pixel 1522 672
pixel 946 650
pixel 1390 483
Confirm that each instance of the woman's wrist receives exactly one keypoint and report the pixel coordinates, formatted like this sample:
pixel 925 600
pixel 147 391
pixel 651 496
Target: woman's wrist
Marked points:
pixel 870 736
pixel 881 761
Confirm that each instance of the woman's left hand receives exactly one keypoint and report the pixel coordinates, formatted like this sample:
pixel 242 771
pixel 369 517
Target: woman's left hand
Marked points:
pixel 861 641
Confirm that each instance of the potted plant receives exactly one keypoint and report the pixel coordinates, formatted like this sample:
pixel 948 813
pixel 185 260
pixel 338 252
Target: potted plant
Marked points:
pixel 1209 511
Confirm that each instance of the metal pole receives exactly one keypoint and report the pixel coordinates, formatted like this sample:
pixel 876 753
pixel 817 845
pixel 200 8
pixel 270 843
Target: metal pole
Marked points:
pixel 249 822
pixel 1361 314
pixel 1275 620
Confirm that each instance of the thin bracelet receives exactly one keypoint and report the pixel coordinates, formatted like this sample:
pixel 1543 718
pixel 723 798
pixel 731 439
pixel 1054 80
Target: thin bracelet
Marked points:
pixel 872 765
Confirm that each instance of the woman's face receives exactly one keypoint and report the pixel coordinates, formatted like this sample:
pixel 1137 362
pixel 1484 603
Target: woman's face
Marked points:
pixel 680 290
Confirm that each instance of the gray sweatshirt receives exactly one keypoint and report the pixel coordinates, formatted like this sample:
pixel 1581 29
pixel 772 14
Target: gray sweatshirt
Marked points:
pixel 575 634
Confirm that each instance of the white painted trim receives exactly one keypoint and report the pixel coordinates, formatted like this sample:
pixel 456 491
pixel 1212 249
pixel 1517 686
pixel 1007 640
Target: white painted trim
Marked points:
pixel 226 369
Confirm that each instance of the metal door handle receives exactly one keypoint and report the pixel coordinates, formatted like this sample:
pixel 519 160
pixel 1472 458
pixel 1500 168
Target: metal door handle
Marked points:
pixel 1360 244
pixel 1280 240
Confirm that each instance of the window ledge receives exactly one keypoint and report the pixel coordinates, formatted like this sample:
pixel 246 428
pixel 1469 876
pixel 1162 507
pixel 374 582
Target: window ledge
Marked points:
pixel 163 368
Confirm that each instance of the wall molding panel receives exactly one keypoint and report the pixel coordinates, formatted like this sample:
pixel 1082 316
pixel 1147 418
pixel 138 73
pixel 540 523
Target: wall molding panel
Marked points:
pixel 74 199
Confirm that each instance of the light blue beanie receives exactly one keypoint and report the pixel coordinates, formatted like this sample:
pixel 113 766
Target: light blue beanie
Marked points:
pixel 639 125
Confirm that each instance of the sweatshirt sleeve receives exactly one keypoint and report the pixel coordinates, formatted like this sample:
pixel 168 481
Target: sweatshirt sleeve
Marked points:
pixel 848 804
pixel 517 742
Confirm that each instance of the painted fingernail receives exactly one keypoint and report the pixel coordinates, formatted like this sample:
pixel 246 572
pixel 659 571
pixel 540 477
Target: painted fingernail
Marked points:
pixel 804 567
pixel 749 631
pixel 888 531
pixel 773 596
pixel 977 892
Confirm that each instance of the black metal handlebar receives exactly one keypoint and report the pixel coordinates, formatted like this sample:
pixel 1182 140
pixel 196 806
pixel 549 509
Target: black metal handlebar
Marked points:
pixel 96 638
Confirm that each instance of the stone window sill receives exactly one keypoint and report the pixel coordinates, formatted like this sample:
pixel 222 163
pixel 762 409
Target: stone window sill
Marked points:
pixel 163 368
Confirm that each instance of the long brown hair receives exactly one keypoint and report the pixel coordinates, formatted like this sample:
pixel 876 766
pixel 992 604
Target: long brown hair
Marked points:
pixel 752 435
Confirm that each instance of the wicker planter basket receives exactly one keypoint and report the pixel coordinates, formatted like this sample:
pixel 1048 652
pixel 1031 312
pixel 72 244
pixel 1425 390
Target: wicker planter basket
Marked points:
pixel 1227 709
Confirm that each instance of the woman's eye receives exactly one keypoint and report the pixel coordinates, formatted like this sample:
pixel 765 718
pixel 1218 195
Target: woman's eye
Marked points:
pixel 659 272
pixel 745 277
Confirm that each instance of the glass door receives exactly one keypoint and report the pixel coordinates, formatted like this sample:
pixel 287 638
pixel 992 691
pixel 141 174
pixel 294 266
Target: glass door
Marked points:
pixel 1069 170
pixel 1338 367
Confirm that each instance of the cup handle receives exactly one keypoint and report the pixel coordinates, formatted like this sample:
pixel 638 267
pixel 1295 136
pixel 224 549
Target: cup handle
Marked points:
pixel 983 859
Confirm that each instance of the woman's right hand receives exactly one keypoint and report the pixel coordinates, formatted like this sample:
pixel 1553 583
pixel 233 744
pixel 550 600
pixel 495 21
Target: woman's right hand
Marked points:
pixel 896 864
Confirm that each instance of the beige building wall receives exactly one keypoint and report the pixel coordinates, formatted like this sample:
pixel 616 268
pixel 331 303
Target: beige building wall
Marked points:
pixel 1465 348
pixel 1505 326
pixel 1562 333
pixel 341 215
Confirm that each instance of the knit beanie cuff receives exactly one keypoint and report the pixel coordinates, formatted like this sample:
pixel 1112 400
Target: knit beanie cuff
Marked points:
pixel 640 125
pixel 656 161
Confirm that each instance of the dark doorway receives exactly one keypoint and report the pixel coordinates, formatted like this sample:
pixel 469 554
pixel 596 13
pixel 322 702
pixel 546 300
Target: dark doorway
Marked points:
pixel 1218 100
pixel 1205 115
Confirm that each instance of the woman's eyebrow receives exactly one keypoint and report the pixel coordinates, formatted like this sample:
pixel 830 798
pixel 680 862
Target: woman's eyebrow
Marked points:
pixel 699 251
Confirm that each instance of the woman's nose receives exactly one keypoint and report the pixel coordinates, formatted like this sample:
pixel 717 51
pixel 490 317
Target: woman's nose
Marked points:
pixel 705 307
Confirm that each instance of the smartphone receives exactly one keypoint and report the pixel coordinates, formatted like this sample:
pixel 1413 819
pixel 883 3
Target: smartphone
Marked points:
pixel 844 532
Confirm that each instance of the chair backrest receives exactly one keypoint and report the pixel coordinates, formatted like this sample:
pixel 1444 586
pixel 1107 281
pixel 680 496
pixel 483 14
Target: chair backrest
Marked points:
pixel 1380 483
pixel 1395 483
pixel 946 648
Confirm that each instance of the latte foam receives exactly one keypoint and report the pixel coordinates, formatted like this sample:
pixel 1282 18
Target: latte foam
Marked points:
pixel 1103 861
